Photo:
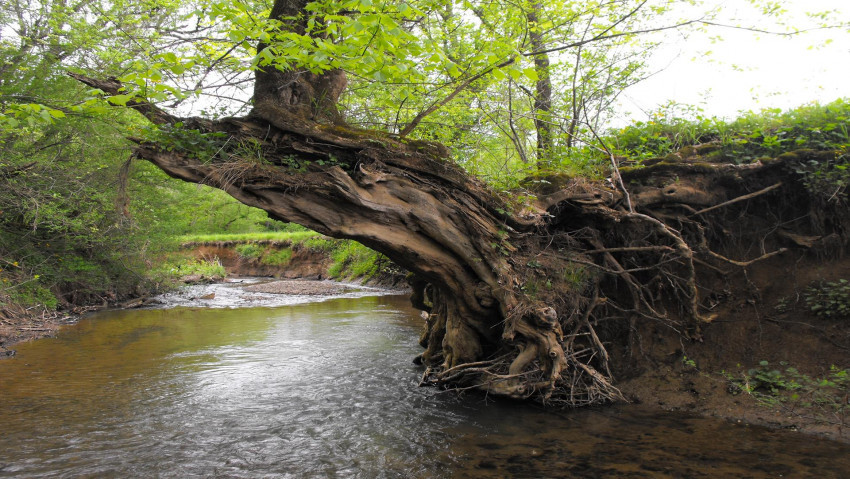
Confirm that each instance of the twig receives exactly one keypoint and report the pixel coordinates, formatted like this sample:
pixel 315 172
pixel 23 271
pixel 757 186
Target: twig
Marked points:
pixel 634 248
pixel 746 263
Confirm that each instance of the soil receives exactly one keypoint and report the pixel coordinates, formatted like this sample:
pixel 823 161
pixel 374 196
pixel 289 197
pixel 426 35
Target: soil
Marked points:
pixel 304 264
pixel 764 320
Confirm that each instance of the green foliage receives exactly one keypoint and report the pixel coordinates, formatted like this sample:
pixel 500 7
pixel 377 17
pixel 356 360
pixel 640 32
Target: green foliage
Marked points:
pixel 577 276
pixel 353 260
pixel 830 299
pixel 291 233
pixel 752 136
pixel 248 251
pixel 277 257
pixel 825 397
pixel 824 176
pixel 319 244
pixel 177 267
pixel 204 146
pixel 31 294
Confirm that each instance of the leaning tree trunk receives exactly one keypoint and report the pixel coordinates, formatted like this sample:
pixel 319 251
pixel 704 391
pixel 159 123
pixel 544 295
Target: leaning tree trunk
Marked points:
pixel 519 304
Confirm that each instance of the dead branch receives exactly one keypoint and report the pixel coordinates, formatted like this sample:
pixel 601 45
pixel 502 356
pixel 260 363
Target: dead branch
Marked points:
pixel 738 199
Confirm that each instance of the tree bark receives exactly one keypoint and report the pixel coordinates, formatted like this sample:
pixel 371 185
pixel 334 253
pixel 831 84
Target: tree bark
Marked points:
pixel 523 305
pixel 543 86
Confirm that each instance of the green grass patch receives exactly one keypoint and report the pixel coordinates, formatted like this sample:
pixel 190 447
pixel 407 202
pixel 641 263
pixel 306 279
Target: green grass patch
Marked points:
pixel 276 257
pixel 282 236
pixel 249 250
pixel 353 260
pixel 177 267
pixel 30 293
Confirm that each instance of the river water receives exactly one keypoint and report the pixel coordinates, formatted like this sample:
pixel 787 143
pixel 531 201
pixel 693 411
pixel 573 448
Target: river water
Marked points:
pixel 327 390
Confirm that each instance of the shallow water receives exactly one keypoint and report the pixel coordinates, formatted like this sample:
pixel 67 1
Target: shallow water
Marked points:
pixel 328 390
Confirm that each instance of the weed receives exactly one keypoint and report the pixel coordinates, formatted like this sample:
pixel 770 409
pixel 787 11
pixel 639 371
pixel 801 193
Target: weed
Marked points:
pixel 279 257
pixel 829 300
pixel 248 251
pixel 205 268
pixel 824 398
pixel 746 139
pixel 31 294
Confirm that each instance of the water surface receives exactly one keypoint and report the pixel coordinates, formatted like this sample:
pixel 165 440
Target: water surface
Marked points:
pixel 328 390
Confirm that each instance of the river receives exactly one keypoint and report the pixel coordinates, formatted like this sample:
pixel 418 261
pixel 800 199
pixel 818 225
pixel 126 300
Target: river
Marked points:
pixel 328 390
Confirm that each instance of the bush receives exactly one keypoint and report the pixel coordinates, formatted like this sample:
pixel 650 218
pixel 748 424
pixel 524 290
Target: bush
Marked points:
pixel 30 294
pixel 746 139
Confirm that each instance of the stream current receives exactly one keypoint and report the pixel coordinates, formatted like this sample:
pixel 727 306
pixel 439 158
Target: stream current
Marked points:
pixel 327 389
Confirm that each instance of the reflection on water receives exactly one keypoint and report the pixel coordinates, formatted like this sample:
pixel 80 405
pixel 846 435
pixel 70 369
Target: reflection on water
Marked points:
pixel 327 390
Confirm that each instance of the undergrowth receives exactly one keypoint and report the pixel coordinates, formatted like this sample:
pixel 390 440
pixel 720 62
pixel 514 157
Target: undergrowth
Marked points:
pixel 824 399
pixel 829 299
pixel 177 267
pixel 767 133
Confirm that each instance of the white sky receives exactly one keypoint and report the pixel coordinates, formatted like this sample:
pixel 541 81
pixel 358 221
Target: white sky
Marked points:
pixel 776 72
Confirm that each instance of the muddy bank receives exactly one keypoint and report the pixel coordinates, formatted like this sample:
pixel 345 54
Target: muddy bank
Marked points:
pixel 301 262
pixel 761 318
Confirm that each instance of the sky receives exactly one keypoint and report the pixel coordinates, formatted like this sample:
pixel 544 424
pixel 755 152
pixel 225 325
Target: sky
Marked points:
pixel 747 71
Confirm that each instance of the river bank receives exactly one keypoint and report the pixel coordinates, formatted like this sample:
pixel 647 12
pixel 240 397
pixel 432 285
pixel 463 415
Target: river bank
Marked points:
pixel 716 377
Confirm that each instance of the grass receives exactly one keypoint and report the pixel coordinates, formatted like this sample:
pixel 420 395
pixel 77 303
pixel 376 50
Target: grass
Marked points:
pixel 282 236
pixel 181 266
pixel 277 257
pixel 351 260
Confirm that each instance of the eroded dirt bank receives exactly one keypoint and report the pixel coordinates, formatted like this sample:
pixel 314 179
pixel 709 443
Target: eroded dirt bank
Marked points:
pixel 763 323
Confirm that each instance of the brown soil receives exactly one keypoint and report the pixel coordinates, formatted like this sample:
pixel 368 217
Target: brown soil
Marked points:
pixel 304 264
pixel 692 376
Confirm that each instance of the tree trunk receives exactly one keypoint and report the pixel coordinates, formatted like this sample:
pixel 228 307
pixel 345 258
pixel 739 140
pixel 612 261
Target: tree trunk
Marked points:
pixel 523 305
pixel 542 88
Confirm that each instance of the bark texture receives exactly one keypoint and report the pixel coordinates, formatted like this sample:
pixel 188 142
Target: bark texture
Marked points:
pixel 519 302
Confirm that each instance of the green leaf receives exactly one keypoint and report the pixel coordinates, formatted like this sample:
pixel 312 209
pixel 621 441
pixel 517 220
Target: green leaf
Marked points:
pixel 531 74
pixel 120 100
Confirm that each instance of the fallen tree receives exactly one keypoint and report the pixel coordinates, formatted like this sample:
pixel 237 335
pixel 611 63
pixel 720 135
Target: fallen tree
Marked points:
pixel 522 301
